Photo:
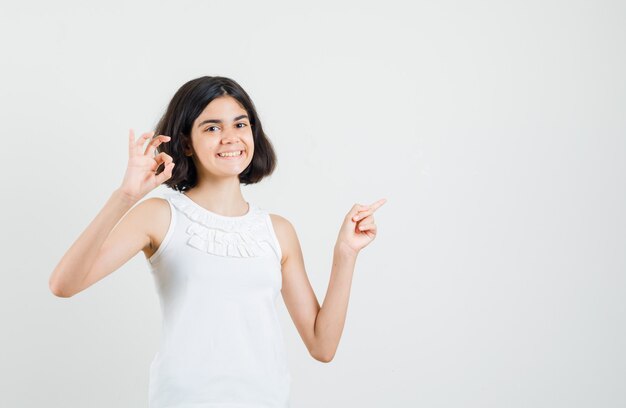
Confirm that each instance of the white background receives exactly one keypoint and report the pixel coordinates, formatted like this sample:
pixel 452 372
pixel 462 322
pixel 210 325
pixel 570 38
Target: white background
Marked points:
pixel 496 131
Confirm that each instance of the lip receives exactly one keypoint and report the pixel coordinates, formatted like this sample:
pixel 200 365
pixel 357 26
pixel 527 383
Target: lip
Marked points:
pixel 232 150
pixel 233 157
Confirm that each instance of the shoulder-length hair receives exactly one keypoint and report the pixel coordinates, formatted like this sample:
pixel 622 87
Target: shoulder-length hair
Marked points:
pixel 186 105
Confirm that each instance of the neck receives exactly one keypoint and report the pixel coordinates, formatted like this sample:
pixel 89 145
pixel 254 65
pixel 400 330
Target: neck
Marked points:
pixel 220 195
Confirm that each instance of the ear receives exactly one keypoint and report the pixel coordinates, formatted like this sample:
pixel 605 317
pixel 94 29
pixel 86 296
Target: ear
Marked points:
pixel 187 148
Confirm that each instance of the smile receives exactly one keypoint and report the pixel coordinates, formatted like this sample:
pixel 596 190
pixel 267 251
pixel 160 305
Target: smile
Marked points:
pixel 231 155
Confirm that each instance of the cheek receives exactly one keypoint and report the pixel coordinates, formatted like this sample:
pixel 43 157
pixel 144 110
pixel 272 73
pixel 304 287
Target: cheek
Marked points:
pixel 210 144
pixel 250 143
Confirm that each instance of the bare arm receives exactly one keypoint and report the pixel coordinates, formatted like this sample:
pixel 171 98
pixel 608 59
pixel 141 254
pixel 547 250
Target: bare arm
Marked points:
pixel 112 238
pixel 332 315
pixel 357 231
pixel 69 276
pixel 321 327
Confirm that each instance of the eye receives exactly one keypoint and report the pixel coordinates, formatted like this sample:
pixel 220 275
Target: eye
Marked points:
pixel 210 127
pixel 244 124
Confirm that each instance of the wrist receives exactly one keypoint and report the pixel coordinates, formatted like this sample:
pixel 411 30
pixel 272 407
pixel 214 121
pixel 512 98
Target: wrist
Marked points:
pixel 123 197
pixel 345 250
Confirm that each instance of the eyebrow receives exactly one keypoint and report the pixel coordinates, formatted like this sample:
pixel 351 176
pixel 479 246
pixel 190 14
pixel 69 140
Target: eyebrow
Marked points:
pixel 219 121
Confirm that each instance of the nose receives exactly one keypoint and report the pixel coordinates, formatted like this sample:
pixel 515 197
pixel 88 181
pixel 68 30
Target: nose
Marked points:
pixel 230 137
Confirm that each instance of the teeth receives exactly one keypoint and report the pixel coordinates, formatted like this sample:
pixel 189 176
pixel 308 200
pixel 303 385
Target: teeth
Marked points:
pixel 229 154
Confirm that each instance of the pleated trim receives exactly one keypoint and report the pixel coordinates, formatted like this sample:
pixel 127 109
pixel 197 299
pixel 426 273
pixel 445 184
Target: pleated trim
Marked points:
pixel 240 237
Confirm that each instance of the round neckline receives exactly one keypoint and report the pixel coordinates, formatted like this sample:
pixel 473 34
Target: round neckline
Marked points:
pixel 226 217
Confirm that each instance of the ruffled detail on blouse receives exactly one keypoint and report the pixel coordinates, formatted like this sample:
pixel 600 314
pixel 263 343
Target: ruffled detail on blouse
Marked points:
pixel 242 237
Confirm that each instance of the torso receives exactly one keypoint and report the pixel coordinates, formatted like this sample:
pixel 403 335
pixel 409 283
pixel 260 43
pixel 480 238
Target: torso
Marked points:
pixel 221 334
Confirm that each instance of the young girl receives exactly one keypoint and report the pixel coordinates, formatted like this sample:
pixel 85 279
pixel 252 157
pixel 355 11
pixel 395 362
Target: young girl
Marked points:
pixel 218 260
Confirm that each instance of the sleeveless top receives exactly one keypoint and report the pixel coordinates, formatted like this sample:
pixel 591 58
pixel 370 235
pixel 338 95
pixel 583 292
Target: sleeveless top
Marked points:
pixel 221 343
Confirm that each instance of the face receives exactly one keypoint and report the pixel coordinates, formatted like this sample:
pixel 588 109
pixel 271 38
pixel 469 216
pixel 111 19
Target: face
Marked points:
pixel 223 126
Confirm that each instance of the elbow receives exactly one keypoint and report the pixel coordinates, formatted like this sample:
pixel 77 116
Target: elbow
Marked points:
pixel 323 357
pixel 57 290
pixel 322 351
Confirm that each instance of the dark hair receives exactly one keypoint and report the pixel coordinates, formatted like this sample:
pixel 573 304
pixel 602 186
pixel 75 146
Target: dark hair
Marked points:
pixel 186 105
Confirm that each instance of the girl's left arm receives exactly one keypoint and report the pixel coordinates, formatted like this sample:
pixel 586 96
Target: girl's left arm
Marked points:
pixel 321 327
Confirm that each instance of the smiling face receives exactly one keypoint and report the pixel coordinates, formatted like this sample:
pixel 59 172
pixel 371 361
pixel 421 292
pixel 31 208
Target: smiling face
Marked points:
pixel 222 127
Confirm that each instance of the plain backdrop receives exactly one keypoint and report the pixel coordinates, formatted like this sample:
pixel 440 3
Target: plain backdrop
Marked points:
pixel 496 131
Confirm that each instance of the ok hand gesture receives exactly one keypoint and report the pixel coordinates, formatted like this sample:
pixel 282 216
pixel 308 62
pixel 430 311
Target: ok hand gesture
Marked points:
pixel 140 177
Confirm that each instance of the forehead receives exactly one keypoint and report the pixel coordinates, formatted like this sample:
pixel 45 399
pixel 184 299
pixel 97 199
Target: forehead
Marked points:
pixel 222 107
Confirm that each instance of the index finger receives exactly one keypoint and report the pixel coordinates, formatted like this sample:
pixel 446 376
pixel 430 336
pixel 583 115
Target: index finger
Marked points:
pixel 131 141
pixel 154 142
pixel 375 206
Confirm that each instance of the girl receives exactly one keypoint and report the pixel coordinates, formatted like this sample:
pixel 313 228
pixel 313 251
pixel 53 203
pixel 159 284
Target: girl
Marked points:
pixel 218 260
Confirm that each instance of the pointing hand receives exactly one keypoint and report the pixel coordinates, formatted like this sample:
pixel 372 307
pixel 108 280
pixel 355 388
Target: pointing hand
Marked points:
pixel 358 228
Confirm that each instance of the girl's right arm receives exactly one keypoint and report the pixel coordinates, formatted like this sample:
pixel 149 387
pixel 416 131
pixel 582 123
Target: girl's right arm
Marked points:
pixel 111 239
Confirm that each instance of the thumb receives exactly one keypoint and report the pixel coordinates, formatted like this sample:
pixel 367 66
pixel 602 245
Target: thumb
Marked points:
pixel 166 173
pixel 355 210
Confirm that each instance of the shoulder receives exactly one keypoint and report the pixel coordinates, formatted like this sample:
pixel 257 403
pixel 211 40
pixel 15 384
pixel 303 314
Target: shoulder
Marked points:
pixel 282 225
pixel 153 207
pixel 286 234
pixel 279 221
